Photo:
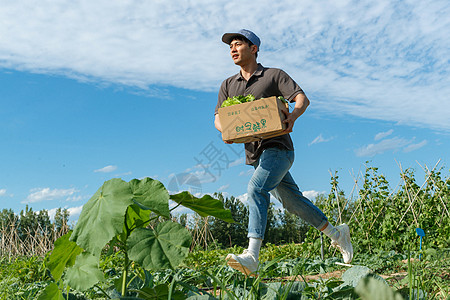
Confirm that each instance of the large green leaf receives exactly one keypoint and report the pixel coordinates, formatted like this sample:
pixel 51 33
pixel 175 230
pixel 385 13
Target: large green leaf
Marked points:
pixel 163 247
pixel 205 206
pixel 151 195
pixel 136 217
pixel 160 292
pixel 102 216
pixel 84 273
pixel 370 288
pixel 51 292
pixel 63 255
pixel 353 276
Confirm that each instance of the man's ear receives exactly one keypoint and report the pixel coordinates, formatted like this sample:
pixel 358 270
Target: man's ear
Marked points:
pixel 254 49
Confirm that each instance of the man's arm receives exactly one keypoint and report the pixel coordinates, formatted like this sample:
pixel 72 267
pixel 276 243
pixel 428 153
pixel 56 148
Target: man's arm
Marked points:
pixel 219 126
pixel 301 103
pixel 217 122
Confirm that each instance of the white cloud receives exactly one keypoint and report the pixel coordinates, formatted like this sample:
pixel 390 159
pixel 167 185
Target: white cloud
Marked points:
pixel 393 144
pixel 46 194
pixel 107 169
pixel 416 146
pixel 2 192
pixel 237 162
pixel 191 182
pixel 382 135
pixel 182 210
pixel 223 188
pixel 74 213
pixel 249 172
pixel 243 198
pixel 75 198
pixel 371 150
pixel 320 139
pixel 52 213
pixel 311 195
pixel 383 60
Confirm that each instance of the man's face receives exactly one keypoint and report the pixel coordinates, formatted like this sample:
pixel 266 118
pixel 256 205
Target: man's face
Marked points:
pixel 241 52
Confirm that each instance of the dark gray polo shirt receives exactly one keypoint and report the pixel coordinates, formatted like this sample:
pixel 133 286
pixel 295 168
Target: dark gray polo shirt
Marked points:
pixel 265 82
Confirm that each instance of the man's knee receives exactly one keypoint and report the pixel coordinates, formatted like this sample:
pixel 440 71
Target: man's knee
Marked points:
pixel 254 190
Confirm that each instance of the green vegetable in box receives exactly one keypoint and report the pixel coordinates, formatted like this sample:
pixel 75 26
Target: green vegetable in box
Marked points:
pixel 242 99
pixel 238 100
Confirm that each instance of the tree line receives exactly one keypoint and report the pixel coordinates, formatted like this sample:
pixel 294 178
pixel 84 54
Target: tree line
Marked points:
pixel 30 232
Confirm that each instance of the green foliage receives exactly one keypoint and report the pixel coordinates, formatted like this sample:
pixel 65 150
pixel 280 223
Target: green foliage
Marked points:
pixel 84 273
pixel 121 215
pixel 102 217
pixel 142 255
pixel 29 232
pixel 8 219
pixel 372 289
pixel 165 246
pixel 63 256
pixel 205 206
pixel 51 292
pixel 61 219
pixel 217 281
pixel 382 219
pixel 282 226
pixel 238 100
pixel 150 195
pixel 226 233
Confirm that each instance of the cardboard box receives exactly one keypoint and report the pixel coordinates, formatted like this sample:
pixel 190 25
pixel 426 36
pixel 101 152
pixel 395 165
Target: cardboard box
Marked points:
pixel 252 121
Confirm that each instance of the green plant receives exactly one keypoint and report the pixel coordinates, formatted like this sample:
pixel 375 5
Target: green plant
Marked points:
pixel 238 100
pixel 134 219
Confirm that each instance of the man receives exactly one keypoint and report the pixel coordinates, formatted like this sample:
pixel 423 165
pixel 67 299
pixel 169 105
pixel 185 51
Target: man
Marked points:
pixel 272 158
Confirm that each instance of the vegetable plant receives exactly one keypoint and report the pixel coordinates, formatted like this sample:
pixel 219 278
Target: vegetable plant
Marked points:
pixel 238 100
pixel 243 99
pixel 134 219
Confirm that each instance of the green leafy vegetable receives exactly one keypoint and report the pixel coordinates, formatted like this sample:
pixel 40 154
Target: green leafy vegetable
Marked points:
pixel 238 100
pixel 243 99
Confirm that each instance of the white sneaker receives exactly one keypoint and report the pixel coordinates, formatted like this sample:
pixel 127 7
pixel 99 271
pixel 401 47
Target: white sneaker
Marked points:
pixel 343 243
pixel 245 263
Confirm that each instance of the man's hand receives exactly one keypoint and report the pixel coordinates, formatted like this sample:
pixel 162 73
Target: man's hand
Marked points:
pixel 289 121
pixel 301 103
pixel 219 126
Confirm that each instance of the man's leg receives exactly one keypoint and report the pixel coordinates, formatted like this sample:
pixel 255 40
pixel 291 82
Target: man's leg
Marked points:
pixel 271 168
pixel 288 193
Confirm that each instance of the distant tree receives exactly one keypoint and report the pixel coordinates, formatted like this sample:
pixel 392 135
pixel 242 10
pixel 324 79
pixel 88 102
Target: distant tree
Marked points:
pixel 27 223
pixel 61 219
pixel 273 233
pixel 293 228
pixel 282 226
pixel 8 220
pixel 230 234
pixel 183 220
pixel 43 221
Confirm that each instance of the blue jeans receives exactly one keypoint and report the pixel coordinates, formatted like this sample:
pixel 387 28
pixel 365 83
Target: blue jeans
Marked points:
pixel 272 176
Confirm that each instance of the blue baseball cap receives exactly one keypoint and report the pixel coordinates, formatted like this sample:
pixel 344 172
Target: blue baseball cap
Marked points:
pixel 227 38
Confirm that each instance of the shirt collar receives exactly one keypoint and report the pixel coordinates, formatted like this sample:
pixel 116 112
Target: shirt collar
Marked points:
pixel 258 72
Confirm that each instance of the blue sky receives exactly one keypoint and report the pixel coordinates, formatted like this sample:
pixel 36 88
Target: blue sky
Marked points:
pixel 90 91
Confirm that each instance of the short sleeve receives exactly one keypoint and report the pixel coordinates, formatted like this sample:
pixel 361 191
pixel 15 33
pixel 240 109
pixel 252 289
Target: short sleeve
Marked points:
pixel 288 87
pixel 223 95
